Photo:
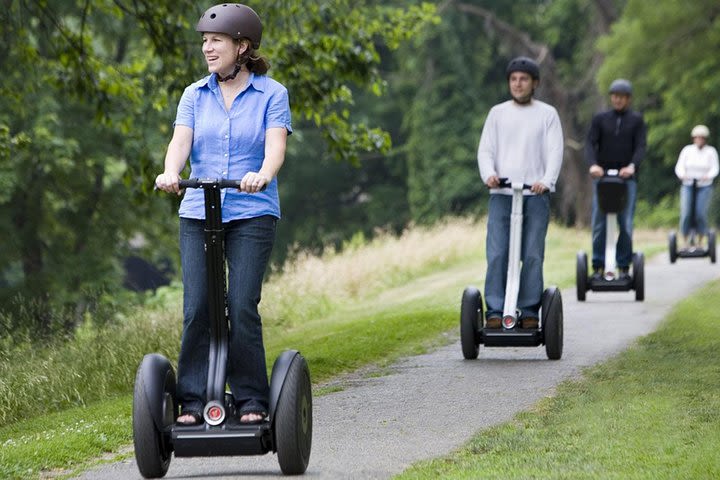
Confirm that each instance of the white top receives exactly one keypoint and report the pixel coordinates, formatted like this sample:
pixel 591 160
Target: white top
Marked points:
pixel 523 143
pixel 697 163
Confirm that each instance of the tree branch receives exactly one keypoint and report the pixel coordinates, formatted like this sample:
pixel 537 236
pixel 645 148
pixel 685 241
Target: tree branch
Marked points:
pixel 540 51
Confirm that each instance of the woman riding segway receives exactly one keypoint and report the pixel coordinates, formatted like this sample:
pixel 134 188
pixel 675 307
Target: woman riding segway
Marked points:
pixel 697 167
pixel 233 124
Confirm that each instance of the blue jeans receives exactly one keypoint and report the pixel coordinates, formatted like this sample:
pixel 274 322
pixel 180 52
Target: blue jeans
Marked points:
pixel 702 202
pixel 248 244
pixel 624 250
pixel 536 215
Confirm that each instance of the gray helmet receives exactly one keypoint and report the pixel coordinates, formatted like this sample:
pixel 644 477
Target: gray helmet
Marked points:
pixel 621 86
pixel 234 19
pixel 523 64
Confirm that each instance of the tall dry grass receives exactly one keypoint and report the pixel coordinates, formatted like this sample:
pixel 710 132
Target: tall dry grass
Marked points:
pixel 312 286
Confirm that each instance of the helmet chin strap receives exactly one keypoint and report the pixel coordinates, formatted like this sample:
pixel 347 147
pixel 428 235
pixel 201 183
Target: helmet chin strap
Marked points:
pixel 220 78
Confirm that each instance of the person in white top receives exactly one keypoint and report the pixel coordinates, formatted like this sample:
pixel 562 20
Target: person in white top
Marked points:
pixel 522 141
pixel 698 165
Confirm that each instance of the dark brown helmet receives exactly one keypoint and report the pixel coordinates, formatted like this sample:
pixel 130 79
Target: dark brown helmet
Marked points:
pixel 234 19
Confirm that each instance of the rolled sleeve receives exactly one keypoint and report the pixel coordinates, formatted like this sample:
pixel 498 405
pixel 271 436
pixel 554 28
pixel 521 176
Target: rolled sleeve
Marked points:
pixel 186 108
pixel 278 111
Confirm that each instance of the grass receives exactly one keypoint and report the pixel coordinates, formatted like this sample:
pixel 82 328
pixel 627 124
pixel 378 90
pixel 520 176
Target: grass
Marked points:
pixel 368 306
pixel 650 413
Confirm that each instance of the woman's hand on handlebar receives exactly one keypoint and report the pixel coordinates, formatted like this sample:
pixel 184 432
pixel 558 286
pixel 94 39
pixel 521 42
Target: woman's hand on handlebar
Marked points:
pixel 168 182
pixel 493 181
pixel 538 188
pixel 253 182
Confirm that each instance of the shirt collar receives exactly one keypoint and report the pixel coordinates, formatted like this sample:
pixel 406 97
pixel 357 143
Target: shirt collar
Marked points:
pixel 258 82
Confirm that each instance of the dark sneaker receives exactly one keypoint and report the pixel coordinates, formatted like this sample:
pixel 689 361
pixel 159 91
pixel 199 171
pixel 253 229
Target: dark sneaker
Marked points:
pixel 529 322
pixel 493 322
pixel 597 274
pixel 624 273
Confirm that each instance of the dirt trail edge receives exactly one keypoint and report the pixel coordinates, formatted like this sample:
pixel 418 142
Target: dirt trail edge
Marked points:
pixel 431 404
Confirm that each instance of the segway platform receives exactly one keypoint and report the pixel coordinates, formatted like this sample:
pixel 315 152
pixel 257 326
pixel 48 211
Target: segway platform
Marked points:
pixel 232 438
pixel 693 251
pixel 550 333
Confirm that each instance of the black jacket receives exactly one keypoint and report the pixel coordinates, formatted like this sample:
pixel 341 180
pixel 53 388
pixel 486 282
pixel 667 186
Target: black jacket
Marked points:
pixel 616 139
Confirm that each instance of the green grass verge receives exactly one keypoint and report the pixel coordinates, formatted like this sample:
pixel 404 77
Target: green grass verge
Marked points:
pixel 407 317
pixel 649 413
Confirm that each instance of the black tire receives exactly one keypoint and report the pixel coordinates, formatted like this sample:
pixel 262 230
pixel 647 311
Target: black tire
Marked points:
pixel 639 276
pixel 711 246
pixel 153 449
pixel 293 419
pixel 471 312
pixel 581 276
pixel 552 322
pixel 672 246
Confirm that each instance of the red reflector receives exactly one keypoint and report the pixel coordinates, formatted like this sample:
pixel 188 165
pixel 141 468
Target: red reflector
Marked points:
pixel 508 322
pixel 215 413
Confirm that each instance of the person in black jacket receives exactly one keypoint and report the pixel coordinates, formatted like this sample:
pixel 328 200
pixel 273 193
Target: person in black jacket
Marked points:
pixel 616 140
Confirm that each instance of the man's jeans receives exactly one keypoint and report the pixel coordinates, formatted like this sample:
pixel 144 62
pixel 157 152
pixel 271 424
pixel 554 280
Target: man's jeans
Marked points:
pixel 536 215
pixel 624 250
pixel 702 202
pixel 248 244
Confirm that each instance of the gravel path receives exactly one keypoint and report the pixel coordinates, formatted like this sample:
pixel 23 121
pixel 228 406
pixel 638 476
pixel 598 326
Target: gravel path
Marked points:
pixel 431 404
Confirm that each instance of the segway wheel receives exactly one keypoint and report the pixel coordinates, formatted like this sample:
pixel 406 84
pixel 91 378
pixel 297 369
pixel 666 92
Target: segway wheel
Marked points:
pixel 711 246
pixel 581 276
pixel 672 247
pixel 154 411
pixel 639 276
pixel 293 419
pixel 471 312
pixel 552 322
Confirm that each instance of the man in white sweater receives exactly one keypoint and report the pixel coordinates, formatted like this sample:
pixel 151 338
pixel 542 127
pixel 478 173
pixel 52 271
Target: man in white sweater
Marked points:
pixel 697 163
pixel 522 141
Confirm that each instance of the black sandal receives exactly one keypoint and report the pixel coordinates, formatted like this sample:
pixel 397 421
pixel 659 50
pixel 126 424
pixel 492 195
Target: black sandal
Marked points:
pixel 197 418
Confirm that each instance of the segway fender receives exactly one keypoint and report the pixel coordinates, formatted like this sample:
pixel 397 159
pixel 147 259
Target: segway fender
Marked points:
pixel 277 379
pixel 155 368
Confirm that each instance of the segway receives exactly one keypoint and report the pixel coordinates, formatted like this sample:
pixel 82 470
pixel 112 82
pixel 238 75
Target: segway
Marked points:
pixel 612 198
pixel 288 428
pixel 550 331
pixel 693 250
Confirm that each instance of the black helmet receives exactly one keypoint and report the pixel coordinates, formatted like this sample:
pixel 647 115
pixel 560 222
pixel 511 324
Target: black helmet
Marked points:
pixel 523 64
pixel 621 86
pixel 234 19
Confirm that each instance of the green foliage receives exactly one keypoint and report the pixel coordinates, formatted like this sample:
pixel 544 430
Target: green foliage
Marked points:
pixel 444 121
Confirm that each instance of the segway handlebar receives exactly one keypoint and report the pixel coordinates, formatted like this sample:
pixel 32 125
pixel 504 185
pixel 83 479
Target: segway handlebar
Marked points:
pixel 211 183
pixel 208 183
pixel 506 183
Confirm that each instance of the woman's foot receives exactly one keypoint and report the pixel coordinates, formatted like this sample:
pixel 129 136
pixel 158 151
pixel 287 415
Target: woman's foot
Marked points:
pixel 252 417
pixel 188 419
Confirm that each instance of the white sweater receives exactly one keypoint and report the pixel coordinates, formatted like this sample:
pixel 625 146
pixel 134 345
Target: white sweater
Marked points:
pixel 697 163
pixel 523 143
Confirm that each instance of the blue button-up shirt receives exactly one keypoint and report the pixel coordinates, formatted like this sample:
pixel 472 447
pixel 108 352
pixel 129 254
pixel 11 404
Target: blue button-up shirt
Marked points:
pixel 228 144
